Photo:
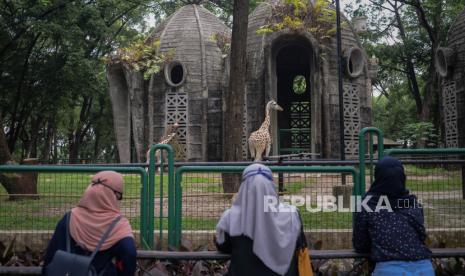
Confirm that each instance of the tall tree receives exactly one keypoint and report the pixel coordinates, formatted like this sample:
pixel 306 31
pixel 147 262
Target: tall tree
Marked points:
pixel 404 35
pixel 52 75
pixel 234 113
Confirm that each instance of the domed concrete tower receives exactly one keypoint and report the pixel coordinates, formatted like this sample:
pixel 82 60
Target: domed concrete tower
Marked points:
pixel 300 72
pixel 188 90
pixel 450 64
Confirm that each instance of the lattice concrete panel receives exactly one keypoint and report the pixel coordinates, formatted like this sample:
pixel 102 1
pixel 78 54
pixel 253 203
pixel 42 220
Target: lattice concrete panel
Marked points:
pixel 449 104
pixel 176 111
pixel 351 119
pixel 301 123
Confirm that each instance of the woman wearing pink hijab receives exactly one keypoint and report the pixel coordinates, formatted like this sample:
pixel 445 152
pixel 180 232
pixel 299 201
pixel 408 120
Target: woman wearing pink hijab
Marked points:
pixel 95 212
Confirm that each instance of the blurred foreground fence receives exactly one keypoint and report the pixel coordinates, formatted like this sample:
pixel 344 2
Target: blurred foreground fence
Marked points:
pixel 165 207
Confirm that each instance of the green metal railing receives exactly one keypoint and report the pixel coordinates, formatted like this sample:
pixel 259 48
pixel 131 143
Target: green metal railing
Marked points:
pixel 151 191
pixel 175 180
pixel 445 151
pixel 362 152
pixel 176 229
pixel 144 234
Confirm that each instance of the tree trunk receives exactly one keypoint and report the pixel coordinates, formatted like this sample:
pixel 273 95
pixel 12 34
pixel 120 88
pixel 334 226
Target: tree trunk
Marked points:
pixel 232 140
pixel 96 150
pixel 48 142
pixel 76 135
pixel 409 66
pixel 36 125
pixel 16 184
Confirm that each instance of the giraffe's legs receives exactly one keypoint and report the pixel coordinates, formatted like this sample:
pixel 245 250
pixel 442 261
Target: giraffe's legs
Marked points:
pixel 251 149
pixel 268 148
pixel 258 154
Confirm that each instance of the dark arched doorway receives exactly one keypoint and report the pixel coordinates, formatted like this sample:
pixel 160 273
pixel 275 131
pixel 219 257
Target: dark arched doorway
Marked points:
pixel 294 89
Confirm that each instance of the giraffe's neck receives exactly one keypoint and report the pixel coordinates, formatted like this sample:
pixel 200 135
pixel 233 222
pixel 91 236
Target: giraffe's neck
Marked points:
pixel 266 123
pixel 166 141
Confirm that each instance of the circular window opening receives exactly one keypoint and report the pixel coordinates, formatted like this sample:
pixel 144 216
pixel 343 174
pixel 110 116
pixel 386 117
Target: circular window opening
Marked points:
pixel 175 73
pixel 299 85
pixel 354 60
pixel 444 61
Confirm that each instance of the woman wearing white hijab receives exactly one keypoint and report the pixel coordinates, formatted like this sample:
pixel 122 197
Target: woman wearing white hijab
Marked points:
pixel 260 242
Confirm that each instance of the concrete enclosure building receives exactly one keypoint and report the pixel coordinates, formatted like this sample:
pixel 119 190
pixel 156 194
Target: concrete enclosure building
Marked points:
pixel 290 66
pixel 450 64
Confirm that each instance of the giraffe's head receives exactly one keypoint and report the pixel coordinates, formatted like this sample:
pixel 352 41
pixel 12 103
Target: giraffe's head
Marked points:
pixel 273 105
pixel 175 125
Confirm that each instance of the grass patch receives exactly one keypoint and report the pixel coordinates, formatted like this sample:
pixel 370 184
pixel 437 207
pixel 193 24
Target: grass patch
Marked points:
pixel 434 185
pixel 424 171
pixel 442 213
pixel 325 220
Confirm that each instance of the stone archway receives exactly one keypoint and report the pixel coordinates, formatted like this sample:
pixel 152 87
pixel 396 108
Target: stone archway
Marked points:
pixel 293 84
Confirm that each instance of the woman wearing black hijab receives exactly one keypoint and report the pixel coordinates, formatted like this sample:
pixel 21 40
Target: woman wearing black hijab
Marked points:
pixel 392 229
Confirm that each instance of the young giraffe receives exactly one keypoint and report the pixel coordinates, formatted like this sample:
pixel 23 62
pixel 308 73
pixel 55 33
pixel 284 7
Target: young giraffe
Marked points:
pixel 260 140
pixel 166 139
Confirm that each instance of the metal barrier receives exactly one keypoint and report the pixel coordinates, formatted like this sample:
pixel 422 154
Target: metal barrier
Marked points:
pixel 154 184
pixel 151 191
pixel 87 169
pixel 211 183
pixel 362 152
pixel 438 181
pixel 214 255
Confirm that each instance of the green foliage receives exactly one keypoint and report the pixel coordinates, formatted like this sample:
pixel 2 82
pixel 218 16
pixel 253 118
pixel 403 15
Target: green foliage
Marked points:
pixel 54 95
pixel 299 85
pixel 143 57
pixel 398 37
pixel 421 135
pixel 302 15
pixel 393 113
pixel 223 42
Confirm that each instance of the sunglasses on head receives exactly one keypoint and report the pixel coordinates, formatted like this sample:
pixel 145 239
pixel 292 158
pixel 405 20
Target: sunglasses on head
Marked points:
pixel 119 196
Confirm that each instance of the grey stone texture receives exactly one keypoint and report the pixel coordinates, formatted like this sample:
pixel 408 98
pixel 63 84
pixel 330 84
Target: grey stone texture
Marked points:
pixel 261 81
pixel 143 108
pixel 453 86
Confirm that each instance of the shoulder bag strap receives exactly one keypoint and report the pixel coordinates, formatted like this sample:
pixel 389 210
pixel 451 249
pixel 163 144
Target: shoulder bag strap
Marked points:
pixel 105 236
pixel 68 217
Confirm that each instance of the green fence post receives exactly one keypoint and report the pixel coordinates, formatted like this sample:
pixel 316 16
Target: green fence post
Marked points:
pixel 362 151
pixel 151 194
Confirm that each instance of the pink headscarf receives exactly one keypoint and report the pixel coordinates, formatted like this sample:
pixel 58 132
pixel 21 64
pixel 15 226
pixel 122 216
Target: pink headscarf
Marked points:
pixel 96 210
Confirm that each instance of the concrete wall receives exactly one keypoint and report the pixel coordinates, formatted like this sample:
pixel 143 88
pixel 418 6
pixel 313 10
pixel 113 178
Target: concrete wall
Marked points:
pixel 325 98
pixel 454 82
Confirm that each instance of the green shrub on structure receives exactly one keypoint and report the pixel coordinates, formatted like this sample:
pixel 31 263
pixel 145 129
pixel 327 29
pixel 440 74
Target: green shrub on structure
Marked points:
pixel 302 15
pixel 143 57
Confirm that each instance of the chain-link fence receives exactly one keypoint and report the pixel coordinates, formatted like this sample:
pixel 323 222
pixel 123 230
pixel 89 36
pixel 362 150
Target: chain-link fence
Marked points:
pixel 438 182
pixel 314 190
pixel 31 218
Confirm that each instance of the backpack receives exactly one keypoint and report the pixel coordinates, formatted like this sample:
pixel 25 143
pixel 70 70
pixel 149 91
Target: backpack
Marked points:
pixel 68 263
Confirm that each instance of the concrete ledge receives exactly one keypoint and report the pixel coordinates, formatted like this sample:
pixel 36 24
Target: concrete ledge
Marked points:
pixel 332 239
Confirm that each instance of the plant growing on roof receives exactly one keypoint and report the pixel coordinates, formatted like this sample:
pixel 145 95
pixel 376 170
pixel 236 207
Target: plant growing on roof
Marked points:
pixel 223 42
pixel 143 57
pixel 302 15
